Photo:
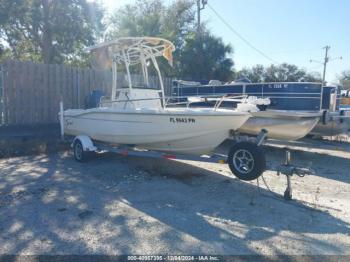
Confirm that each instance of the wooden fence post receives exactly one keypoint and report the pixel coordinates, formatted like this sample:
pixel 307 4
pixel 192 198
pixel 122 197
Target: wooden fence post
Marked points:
pixel 2 81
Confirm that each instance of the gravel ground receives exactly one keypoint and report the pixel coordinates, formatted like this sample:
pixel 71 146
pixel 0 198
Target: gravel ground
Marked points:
pixel 50 204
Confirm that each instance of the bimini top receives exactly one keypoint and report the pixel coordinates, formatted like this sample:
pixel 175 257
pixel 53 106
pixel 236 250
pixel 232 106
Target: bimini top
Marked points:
pixel 131 50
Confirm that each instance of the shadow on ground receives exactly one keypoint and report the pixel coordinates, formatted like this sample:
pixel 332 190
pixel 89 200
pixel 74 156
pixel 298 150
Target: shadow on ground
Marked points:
pixel 326 166
pixel 115 205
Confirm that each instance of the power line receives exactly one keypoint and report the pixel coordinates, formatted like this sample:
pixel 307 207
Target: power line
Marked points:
pixel 240 36
pixel 325 61
pixel 297 51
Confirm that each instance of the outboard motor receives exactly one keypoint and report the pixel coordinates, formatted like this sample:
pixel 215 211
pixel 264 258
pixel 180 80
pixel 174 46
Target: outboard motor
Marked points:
pixel 93 100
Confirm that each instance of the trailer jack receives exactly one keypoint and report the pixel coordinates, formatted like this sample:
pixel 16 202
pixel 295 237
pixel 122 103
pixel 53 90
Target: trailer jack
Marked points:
pixel 289 170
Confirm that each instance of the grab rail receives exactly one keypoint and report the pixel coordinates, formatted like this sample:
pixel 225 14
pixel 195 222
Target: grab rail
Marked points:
pixel 218 98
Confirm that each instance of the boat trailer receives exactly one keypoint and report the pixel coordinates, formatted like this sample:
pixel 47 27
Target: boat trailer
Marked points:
pixel 84 147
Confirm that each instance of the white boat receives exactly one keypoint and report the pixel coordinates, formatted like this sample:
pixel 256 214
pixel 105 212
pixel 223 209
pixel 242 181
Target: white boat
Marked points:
pixel 187 131
pixel 140 116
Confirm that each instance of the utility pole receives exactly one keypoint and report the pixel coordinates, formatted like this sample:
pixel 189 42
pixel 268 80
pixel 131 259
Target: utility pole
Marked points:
pixel 326 60
pixel 199 8
pixel 199 31
pixel 324 63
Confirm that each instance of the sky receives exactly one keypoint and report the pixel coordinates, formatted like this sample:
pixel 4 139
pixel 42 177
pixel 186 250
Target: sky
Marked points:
pixel 292 31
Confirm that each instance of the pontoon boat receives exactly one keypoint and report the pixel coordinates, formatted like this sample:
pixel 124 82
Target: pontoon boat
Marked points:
pixel 285 118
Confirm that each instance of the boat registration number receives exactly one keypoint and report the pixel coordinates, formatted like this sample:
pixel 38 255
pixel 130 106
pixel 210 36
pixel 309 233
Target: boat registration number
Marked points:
pixel 182 120
pixel 278 86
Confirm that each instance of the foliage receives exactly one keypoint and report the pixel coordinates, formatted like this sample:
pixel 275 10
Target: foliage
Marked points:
pixel 344 79
pixel 195 57
pixel 254 74
pixel 57 31
pixel 345 75
pixel 279 73
pixel 153 18
pixel 48 30
pixel 5 53
pixel 205 57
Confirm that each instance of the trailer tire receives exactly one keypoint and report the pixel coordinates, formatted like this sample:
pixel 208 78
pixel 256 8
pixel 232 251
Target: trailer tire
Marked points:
pixel 246 161
pixel 341 113
pixel 79 154
pixel 325 117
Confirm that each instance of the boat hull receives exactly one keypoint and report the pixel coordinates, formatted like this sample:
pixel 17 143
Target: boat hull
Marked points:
pixel 336 123
pixel 281 125
pixel 180 131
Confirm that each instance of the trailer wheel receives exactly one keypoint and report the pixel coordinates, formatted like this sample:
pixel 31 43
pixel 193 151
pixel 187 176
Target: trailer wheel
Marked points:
pixel 79 154
pixel 246 161
pixel 324 117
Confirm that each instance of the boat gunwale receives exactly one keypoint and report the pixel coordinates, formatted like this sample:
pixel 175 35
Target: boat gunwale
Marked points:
pixel 287 114
pixel 219 112
pixel 243 83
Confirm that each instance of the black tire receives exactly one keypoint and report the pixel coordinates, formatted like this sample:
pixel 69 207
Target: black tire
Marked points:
pixel 79 154
pixel 246 161
pixel 325 117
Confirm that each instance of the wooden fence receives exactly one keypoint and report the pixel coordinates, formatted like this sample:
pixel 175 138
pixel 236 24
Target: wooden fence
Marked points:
pixel 30 93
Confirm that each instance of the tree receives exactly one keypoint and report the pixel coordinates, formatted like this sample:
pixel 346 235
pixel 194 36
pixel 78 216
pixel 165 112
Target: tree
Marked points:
pixel 345 75
pixel 5 52
pixel 312 77
pixel 344 79
pixel 205 57
pixel 48 30
pixel 176 23
pixel 255 74
pixel 279 73
pixel 153 18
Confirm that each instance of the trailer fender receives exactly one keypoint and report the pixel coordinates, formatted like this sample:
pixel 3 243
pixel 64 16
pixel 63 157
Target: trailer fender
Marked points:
pixel 86 142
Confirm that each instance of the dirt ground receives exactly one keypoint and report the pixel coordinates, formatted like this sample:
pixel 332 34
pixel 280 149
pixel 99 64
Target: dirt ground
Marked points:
pixel 50 204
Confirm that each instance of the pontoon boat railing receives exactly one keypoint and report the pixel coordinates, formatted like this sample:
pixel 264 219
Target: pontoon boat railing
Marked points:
pixel 263 94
